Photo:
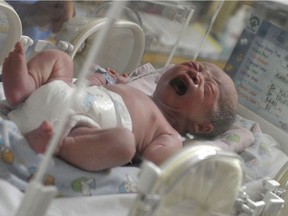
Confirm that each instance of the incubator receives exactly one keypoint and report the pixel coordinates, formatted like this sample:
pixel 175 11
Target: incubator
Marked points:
pixel 203 178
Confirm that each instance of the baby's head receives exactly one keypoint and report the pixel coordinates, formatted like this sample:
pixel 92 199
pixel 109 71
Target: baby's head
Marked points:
pixel 197 98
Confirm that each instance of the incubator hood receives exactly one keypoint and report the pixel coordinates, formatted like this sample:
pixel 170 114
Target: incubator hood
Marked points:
pixel 79 33
pixel 192 181
pixel 76 38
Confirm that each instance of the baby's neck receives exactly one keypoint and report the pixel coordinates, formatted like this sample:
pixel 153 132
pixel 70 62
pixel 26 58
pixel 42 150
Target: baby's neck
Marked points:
pixel 168 115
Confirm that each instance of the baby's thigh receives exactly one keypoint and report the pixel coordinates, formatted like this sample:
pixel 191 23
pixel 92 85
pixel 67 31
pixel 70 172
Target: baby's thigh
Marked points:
pixel 50 65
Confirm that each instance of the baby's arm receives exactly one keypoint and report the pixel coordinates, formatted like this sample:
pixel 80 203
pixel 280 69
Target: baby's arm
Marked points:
pixel 162 148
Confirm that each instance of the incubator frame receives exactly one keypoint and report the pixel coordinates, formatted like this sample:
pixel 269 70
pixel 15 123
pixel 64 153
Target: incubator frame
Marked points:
pixel 151 178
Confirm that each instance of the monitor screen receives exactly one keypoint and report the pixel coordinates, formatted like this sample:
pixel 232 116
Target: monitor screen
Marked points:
pixel 259 67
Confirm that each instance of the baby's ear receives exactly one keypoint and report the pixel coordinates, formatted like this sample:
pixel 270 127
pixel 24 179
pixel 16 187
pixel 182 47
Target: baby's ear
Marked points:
pixel 203 128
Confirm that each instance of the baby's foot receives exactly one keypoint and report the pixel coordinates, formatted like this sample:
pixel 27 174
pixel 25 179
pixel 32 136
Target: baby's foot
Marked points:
pixel 16 61
pixel 15 76
pixel 40 137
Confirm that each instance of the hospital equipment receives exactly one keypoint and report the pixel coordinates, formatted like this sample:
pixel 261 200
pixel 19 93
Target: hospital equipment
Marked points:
pixel 190 182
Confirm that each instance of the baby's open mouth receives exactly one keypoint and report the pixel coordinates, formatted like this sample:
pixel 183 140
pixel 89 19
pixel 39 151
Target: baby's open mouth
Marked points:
pixel 179 85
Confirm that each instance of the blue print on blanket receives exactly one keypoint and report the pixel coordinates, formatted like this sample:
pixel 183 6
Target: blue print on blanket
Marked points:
pixel 19 163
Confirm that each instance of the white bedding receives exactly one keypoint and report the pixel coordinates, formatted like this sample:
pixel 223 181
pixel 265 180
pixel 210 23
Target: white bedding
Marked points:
pixel 105 205
pixel 261 153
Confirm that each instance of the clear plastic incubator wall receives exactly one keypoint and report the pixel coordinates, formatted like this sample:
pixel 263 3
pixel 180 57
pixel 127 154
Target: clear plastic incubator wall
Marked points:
pixel 243 171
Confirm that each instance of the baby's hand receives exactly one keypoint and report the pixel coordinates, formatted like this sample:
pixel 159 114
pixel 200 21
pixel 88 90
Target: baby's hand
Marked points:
pixel 106 76
pixel 121 78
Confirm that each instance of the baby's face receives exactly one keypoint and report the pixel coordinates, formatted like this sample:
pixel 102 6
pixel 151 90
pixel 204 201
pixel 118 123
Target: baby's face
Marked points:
pixel 189 93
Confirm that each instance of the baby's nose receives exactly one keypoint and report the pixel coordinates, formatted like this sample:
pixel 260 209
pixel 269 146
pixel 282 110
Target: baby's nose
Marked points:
pixel 195 76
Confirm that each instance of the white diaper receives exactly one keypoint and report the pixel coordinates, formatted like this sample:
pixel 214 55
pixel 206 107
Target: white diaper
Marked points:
pixel 94 106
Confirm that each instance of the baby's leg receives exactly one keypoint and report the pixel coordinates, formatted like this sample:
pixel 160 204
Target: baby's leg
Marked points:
pixel 94 149
pixel 39 138
pixel 21 79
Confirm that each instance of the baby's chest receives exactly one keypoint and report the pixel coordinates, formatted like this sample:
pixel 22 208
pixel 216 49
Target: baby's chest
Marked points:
pixel 150 127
